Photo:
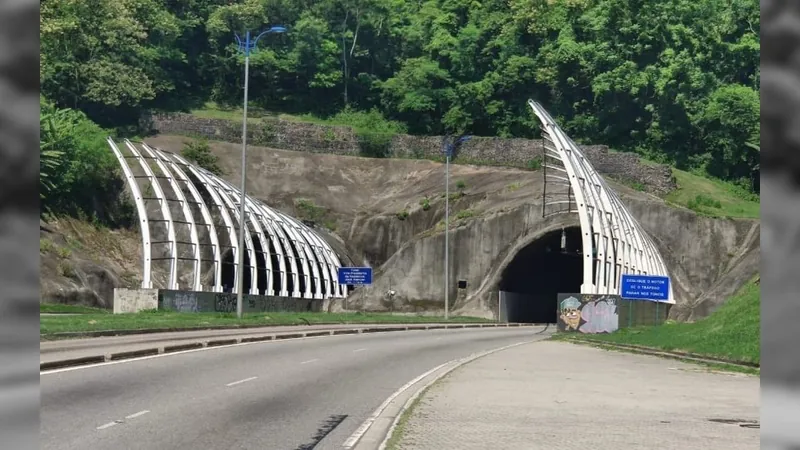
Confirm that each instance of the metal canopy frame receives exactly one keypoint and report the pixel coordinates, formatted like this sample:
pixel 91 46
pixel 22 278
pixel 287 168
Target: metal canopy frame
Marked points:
pixel 613 242
pixel 298 249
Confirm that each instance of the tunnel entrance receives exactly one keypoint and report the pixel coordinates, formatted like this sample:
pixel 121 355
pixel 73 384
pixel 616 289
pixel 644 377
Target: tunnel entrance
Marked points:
pixel 530 284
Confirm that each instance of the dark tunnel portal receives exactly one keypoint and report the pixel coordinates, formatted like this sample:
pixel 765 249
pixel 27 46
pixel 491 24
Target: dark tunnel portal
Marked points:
pixel 538 273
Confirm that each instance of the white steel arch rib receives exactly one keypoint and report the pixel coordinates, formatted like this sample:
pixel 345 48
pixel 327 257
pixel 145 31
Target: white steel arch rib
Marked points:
pixel 207 219
pixel 166 216
pixel 286 238
pixel 257 219
pixel 326 264
pixel 141 209
pixel 187 214
pixel 276 243
pixel 280 235
pixel 607 226
pixel 230 203
pixel 223 211
pixel 311 257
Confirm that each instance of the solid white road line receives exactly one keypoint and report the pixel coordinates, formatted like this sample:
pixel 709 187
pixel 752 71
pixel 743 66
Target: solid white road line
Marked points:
pixel 310 361
pixel 241 381
pixel 458 362
pixel 140 413
pixel 354 438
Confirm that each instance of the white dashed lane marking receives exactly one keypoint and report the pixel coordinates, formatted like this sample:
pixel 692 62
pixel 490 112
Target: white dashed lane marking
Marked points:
pixel 310 361
pixel 117 422
pixel 109 424
pixel 241 381
pixel 134 415
pixel 359 350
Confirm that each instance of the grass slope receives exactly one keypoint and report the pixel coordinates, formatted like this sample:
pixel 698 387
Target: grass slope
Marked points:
pixel 711 197
pixel 167 320
pixel 58 308
pixel 732 332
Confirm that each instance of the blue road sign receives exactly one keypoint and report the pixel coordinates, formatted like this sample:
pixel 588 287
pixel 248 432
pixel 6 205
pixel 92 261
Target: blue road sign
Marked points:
pixel 645 287
pixel 355 275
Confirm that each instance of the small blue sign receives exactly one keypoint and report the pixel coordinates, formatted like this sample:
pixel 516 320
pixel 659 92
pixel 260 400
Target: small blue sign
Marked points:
pixel 355 275
pixel 654 288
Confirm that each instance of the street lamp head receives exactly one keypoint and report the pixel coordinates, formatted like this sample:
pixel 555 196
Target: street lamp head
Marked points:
pixel 248 44
pixel 449 148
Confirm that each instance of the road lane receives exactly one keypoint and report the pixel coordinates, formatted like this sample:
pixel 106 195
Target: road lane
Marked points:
pixel 297 394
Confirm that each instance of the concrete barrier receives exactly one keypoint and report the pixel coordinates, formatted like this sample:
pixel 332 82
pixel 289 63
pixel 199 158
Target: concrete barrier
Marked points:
pixel 134 354
pixel 202 343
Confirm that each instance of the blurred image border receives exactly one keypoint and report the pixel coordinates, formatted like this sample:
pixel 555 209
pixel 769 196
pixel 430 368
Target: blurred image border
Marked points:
pixel 19 216
pixel 780 224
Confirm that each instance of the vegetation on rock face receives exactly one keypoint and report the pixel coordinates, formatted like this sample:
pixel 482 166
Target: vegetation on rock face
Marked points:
pixel 306 210
pixel 675 80
pixel 79 175
pixel 425 203
pixel 199 152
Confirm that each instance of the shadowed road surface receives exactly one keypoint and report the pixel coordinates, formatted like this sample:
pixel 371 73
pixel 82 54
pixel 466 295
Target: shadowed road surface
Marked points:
pixel 290 395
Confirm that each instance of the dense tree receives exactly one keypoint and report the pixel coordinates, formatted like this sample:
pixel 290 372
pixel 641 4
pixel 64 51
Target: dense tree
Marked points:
pixel 78 175
pixel 675 80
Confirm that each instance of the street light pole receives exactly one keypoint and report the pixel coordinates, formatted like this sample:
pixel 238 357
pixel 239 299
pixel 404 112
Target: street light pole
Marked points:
pixel 245 46
pixel 449 148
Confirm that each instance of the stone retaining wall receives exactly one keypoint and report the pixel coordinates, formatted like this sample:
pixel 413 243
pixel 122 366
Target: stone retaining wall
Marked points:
pixel 340 140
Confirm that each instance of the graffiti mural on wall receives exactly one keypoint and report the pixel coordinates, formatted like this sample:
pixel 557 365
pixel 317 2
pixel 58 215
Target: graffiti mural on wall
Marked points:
pixel 588 313
pixel 224 302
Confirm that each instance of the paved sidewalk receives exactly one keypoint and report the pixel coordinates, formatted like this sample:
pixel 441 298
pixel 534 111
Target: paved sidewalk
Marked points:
pixel 555 395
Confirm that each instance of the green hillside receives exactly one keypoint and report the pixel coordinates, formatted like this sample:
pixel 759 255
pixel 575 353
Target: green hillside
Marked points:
pixel 733 331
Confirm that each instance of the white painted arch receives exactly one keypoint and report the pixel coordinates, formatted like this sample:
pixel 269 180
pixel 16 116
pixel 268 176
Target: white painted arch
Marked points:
pixel 612 239
pixel 173 187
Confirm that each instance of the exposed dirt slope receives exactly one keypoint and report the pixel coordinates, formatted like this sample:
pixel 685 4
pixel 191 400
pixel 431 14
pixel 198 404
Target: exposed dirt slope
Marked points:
pixel 82 264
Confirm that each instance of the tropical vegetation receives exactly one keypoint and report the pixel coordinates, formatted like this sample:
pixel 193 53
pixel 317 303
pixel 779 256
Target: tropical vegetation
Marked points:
pixel 676 81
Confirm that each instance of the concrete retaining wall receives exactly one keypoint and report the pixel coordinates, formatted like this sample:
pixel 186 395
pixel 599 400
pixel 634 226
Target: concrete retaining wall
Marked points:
pixel 134 300
pixel 225 302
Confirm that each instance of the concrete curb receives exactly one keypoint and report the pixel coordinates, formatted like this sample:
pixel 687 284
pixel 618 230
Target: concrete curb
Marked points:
pixel 106 333
pixel 203 343
pixel 669 354
pixel 381 427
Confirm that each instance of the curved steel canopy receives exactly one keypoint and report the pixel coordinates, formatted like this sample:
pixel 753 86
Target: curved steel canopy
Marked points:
pixel 294 260
pixel 613 241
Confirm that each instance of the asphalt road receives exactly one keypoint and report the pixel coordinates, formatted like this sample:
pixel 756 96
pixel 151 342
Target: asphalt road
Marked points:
pixel 283 395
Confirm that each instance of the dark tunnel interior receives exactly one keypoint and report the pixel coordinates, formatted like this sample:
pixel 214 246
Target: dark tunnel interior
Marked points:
pixel 229 268
pixel 538 273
